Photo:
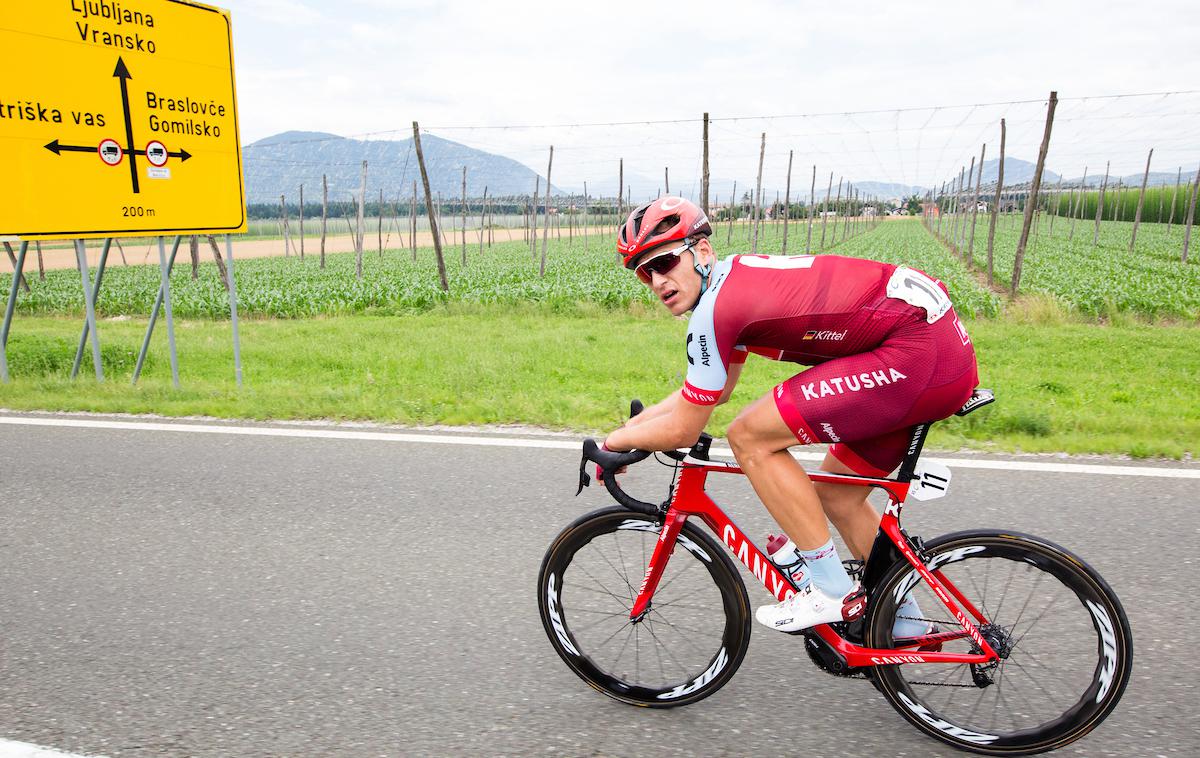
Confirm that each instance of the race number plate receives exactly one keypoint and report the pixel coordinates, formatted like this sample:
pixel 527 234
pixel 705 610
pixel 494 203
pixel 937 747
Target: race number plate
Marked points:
pixel 919 290
pixel 930 481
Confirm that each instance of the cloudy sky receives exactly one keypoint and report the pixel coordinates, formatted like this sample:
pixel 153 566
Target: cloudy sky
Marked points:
pixel 901 92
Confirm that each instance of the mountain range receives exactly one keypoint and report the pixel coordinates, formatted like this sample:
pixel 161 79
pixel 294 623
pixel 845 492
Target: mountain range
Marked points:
pixel 278 165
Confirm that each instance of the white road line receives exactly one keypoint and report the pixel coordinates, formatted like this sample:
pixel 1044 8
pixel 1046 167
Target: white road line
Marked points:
pixel 553 444
pixel 11 749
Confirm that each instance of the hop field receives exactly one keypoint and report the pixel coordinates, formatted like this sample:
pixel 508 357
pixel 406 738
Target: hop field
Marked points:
pixel 505 274
pixel 1101 280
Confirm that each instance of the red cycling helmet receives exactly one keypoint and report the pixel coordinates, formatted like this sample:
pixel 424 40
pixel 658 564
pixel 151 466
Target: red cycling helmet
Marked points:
pixel 666 219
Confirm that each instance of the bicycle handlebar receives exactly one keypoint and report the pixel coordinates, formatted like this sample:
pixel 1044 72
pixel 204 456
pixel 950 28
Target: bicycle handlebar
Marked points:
pixel 611 461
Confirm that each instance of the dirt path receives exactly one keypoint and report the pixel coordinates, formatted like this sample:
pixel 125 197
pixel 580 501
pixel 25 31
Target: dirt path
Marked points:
pixel 146 251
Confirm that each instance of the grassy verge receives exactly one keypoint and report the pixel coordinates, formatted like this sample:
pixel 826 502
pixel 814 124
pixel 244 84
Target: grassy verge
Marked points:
pixel 1071 387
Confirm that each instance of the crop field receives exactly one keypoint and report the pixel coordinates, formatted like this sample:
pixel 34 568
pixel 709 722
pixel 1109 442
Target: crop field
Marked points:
pixel 504 274
pixel 1102 280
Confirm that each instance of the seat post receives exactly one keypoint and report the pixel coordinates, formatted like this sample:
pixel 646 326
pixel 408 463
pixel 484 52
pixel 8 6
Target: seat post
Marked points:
pixel 920 432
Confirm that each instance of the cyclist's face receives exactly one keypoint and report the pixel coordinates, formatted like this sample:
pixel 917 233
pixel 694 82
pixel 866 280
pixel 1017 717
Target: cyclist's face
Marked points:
pixel 678 288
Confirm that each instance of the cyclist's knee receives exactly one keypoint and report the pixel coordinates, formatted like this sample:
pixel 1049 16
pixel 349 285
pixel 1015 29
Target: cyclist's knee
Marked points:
pixel 749 442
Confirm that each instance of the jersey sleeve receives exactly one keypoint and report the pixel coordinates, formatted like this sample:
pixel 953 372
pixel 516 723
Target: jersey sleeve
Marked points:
pixel 708 365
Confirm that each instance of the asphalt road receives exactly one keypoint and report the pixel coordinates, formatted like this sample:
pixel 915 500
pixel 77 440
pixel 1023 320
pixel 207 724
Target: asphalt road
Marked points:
pixel 166 594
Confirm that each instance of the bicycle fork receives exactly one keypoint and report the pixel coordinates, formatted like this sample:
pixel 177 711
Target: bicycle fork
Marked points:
pixel 667 536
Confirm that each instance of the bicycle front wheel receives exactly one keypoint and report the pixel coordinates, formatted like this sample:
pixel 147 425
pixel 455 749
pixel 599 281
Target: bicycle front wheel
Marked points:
pixel 689 643
pixel 1064 640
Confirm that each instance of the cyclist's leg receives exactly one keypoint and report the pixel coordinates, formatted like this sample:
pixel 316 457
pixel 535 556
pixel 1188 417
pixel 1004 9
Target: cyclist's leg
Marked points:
pixel 846 505
pixel 760 440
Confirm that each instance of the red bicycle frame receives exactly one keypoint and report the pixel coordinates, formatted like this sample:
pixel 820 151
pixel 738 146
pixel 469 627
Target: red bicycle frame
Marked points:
pixel 690 499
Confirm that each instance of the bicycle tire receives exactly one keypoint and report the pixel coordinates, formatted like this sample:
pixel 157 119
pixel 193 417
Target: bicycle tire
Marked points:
pixel 690 649
pixel 1084 649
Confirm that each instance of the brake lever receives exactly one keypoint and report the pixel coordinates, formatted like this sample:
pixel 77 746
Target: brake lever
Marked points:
pixel 585 479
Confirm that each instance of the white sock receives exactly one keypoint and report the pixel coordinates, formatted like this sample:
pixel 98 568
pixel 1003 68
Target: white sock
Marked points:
pixel 826 569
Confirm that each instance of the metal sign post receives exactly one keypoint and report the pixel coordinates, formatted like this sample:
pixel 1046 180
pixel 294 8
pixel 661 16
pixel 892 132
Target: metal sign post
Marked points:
pixel 158 301
pixel 165 292
pixel 95 294
pixel 8 311
pixel 237 348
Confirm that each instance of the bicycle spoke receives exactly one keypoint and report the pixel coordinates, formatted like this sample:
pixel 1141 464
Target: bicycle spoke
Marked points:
pixel 1032 591
pixel 1033 623
pixel 624 577
pixel 624 568
pixel 602 591
pixel 1022 670
pixel 675 576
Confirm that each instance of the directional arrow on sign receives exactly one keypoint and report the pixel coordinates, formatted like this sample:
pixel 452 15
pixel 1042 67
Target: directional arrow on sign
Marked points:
pixel 58 149
pixel 122 73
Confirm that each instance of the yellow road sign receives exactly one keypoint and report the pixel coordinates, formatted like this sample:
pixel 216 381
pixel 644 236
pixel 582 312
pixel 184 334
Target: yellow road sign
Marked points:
pixel 118 117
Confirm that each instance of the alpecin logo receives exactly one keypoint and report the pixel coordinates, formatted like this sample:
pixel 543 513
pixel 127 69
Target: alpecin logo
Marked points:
pixel 828 429
pixel 840 385
pixel 827 335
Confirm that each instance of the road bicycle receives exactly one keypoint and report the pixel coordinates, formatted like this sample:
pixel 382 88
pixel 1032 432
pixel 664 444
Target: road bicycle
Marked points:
pixel 1027 648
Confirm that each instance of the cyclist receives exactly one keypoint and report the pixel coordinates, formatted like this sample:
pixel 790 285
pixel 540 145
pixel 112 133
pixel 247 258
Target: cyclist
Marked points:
pixel 887 352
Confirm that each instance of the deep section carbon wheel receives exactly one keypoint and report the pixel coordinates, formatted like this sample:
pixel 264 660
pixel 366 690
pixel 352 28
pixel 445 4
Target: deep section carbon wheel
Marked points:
pixel 689 643
pixel 1065 645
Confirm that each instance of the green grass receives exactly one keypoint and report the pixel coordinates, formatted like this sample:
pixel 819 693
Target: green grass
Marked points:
pixel 1076 388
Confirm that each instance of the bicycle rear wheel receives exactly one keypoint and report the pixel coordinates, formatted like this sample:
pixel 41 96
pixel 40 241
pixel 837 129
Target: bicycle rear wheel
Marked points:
pixel 1065 644
pixel 689 643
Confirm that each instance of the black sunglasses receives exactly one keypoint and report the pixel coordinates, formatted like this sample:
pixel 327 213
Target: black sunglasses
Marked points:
pixel 661 264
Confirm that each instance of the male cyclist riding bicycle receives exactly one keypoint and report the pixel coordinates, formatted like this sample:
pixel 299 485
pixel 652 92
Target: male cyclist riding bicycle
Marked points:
pixel 887 352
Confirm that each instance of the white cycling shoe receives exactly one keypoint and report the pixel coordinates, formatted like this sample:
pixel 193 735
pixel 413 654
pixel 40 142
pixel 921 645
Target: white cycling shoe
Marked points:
pixel 810 607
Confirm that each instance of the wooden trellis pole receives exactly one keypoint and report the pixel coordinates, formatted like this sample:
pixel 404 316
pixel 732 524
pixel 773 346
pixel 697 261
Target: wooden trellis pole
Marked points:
pixel 546 228
pixel 324 214
pixel 620 187
pixel 283 225
pixel 975 207
pixel 1191 217
pixel 812 200
pixel 1082 191
pixel 1137 216
pixel 483 218
pixel 1171 218
pixel 437 242
pixel 301 222
pixel 358 236
pixel 1054 204
pixel 667 179
pixel 825 211
pixel 537 188
pixel 704 180
pixel 732 206
pixel 1100 204
pixel 1031 203
pixel 412 218
pixel 787 199
pixel 585 229
pixel 756 217
pixel 464 215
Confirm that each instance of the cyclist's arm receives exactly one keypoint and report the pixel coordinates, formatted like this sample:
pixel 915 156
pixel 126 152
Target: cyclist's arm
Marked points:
pixel 667 404
pixel 678 425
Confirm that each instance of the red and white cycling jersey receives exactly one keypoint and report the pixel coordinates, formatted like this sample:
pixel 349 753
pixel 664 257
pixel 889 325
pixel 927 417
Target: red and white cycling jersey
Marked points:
pixel 890 352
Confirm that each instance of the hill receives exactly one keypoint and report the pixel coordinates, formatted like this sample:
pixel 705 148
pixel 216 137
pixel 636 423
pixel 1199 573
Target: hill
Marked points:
pixel 279 164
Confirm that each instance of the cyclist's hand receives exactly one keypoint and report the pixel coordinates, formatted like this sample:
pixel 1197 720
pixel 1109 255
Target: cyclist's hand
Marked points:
pixel 600 471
